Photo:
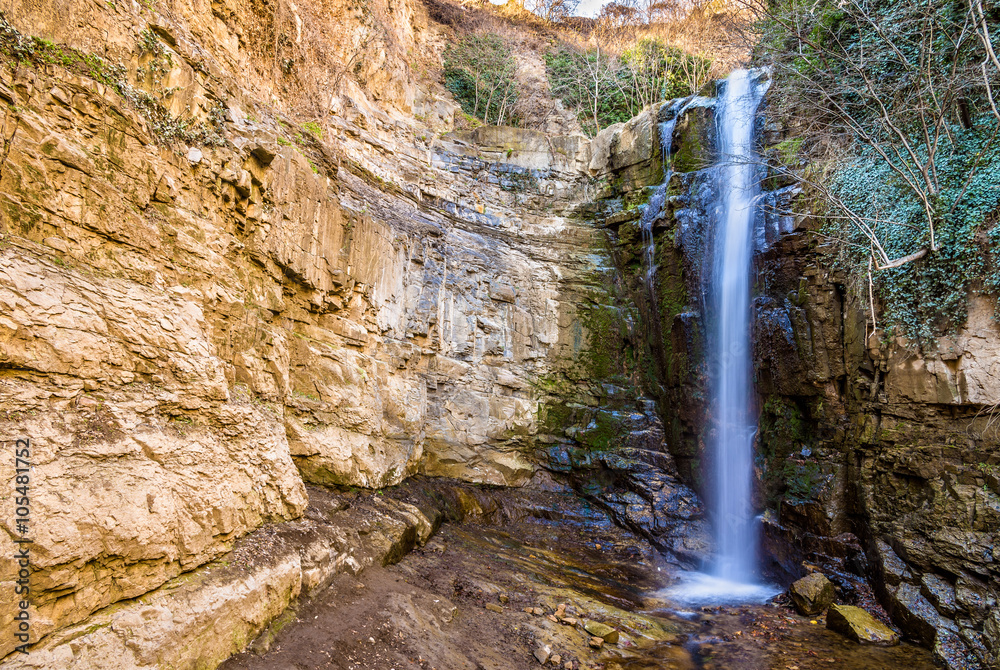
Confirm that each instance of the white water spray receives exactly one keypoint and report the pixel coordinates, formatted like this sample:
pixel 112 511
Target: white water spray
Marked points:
pixel 732 446
pixel 732 576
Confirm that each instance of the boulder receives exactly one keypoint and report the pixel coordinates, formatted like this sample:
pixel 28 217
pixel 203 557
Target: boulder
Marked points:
pixel 812 594
pixel 542 653
pixel 603 631
pixel 860 626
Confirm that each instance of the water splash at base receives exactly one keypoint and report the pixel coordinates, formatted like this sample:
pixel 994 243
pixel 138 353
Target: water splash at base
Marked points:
pixel 698 588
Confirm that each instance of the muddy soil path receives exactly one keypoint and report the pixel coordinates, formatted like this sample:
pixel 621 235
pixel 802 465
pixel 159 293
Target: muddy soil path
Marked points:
pixel 459 603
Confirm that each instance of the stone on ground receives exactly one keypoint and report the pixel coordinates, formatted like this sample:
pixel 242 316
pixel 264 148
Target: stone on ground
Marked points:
pixel 860 626
pixel 542 653
pixel 603 631
pixel 812 594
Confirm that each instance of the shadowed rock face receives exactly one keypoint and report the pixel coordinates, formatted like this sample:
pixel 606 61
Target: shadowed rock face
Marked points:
pixel 894 443
pixel 876 457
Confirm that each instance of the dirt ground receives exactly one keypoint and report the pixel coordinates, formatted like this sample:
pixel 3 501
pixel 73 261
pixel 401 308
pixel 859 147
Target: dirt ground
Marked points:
pixel 458 603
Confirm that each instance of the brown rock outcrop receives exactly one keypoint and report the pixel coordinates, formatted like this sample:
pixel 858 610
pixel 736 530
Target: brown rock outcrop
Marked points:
pixel 892 435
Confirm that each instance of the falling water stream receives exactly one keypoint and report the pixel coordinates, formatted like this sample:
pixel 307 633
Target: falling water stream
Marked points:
pixel 654 210
pixel 733 574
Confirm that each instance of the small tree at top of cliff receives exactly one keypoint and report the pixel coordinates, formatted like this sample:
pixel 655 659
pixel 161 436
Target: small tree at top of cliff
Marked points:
pixel 605 87
pixel 654 71
pixel 553 10
pixel 480 72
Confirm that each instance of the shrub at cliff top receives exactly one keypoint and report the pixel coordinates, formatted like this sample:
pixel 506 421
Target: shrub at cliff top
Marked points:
pixel 605 89
pixel 480 72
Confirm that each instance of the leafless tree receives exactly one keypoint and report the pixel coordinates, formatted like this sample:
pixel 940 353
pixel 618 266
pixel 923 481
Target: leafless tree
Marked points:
pixel 897 96
pixel 553 11
pixel 983 32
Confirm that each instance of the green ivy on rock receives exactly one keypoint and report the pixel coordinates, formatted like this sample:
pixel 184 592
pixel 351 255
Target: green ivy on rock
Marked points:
pixel 929 296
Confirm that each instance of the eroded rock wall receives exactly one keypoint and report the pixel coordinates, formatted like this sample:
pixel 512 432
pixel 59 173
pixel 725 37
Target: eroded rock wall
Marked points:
pixel 619 444
pixel 889 440
pixel 227 268
pixel 295 271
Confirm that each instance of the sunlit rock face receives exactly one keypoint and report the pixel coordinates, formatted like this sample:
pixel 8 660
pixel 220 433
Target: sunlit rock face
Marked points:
pixel 329 288
pixel 331 285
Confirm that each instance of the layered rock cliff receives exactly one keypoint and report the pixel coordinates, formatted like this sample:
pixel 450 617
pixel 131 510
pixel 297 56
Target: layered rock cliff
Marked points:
pixel 891 441
pixel 244 250
pixel 238 256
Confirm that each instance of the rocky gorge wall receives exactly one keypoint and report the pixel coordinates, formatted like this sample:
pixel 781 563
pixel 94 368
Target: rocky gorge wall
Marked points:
pixel 892 442
pixel 876 457
pixel 237 257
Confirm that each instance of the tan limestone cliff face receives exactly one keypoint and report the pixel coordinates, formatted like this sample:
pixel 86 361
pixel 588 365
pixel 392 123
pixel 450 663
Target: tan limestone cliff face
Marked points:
pixel 188 331
pixel 295 55
pixel 202 617
pixel 963 369
pixel 138 480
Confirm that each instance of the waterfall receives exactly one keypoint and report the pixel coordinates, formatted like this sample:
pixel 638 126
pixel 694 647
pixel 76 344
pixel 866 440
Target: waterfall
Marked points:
pixel 732 575
pixel 732 443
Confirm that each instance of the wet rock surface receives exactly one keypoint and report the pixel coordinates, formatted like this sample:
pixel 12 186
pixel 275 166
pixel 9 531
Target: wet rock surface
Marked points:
pixel 565 562
pixel 619 461
pixel 812 594
pixel 877 456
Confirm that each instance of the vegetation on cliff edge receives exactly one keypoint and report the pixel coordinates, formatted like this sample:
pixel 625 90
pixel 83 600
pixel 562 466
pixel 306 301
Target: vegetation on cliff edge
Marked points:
pixel 604 90
pixel 480 72
pixel 897 105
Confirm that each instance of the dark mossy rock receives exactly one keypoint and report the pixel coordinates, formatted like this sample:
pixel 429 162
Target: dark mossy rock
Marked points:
pixel 812 594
